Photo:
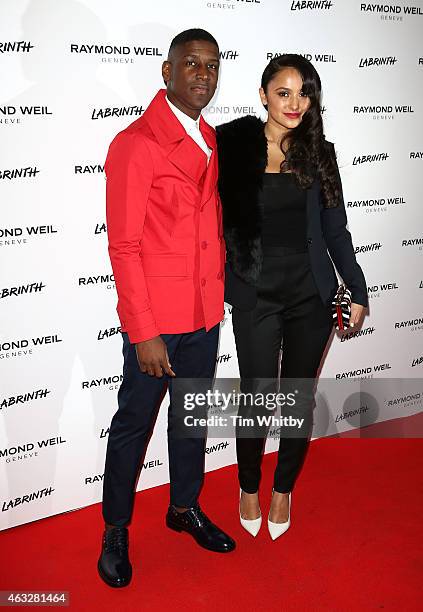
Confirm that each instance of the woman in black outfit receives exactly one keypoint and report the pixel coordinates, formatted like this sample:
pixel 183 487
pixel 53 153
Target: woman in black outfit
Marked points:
pixel 283 212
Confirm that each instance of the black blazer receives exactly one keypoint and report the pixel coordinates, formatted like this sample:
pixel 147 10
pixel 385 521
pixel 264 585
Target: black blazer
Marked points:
pixel 242 154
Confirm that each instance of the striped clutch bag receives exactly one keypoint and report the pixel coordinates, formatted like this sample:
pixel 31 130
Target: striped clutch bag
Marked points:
pixel 341 308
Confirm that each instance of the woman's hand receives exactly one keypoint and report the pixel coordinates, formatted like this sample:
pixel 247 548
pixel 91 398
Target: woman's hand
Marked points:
pixel 357 312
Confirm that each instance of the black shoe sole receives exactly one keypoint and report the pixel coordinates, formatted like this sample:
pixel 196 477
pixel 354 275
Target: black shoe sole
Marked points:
pixel 179 529
pixel 110 582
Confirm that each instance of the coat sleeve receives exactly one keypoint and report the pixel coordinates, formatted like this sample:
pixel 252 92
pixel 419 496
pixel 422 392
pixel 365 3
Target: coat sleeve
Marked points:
pixel 129 174
pixel 339 243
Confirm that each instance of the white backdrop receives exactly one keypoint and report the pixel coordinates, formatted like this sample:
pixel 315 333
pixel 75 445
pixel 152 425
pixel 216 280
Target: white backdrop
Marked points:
pixel 64 66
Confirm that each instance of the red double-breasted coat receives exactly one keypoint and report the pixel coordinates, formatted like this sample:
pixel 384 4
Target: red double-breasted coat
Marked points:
pixel 164 226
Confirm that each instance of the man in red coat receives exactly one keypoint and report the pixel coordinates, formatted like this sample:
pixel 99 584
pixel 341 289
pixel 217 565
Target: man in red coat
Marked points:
pixel 167 252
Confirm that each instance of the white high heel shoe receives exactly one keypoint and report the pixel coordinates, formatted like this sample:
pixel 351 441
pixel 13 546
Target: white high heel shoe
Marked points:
pixel 277 529
pixel 250 525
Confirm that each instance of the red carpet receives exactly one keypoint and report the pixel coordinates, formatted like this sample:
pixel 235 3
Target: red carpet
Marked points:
pixel 354 543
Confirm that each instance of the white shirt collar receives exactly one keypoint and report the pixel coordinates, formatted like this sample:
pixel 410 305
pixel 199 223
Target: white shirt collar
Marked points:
pixel 188 123
pixel 191 127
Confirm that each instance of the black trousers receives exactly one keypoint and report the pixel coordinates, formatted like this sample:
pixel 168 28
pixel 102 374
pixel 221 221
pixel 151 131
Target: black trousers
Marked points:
pixel 192 355
pixel 289 311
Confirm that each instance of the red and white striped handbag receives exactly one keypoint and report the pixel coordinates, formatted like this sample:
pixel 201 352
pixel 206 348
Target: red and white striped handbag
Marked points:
pixel 341 308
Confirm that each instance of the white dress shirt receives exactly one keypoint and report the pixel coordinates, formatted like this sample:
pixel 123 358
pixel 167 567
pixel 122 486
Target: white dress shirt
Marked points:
pixel 192 128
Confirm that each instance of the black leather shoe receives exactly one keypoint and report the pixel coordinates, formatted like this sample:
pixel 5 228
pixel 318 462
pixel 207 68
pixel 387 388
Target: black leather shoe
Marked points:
pixel 197 524
pixel 113 565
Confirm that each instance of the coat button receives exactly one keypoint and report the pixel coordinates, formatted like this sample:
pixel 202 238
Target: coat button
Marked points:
pixel 309 240
pixel 219 276
pixel 203 282
pixel 204 245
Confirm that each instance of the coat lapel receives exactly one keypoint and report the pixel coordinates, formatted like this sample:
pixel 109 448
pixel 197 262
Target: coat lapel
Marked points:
pixel 311 208
pixel 210 179
pixel 179 148
pixel 188 158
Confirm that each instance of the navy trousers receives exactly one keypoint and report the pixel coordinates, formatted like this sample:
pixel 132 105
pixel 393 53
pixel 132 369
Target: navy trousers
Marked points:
pixel 192 355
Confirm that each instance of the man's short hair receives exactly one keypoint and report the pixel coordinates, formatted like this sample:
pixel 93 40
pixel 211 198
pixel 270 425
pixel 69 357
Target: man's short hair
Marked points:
pixel 192 34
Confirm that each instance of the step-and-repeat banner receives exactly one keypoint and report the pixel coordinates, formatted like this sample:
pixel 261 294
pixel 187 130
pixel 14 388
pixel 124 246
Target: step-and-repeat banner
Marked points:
pixel 73 74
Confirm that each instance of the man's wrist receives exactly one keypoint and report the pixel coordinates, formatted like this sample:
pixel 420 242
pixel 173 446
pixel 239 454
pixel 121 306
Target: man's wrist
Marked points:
pixel 142 334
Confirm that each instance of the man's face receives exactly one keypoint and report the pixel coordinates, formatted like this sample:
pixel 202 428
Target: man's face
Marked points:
pixel 191 74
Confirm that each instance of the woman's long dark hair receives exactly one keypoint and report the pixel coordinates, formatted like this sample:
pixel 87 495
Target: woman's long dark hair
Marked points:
pixel 307 153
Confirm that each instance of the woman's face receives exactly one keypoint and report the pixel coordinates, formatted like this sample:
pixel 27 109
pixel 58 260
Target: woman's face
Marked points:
pixel 286 103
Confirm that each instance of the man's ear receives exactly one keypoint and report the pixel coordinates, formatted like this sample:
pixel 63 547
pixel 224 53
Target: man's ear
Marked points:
pixel 166 71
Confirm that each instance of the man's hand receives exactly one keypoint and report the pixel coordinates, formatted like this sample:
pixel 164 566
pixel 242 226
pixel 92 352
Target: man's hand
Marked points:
pixel 357 311
pixel 153 358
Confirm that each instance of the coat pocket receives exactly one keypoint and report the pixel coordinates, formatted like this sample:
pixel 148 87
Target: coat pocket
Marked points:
pixel 164 265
